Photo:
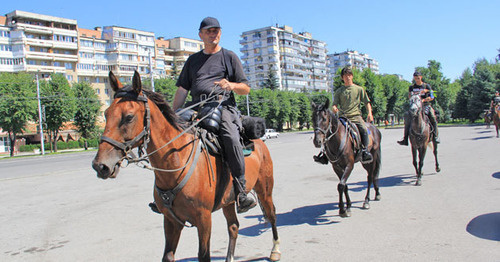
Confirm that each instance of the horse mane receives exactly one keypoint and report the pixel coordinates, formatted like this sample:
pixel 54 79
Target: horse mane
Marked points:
pixel 165 109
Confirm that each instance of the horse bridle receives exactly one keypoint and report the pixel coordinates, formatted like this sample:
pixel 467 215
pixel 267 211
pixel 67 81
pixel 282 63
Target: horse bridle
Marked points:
pixel 127 146
pixel 325 132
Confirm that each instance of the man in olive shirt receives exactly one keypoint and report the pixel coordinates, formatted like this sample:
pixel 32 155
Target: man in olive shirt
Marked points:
pixel 347 102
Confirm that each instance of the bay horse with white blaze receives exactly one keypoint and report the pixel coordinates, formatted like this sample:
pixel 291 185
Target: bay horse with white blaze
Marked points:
pixel 187 187
pixel 420 136
pixel 341 151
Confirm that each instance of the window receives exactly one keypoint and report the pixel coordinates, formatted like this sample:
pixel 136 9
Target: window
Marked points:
pixel 68 65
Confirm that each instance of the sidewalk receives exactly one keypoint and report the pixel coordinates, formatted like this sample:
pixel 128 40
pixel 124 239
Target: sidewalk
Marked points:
pixel 47 152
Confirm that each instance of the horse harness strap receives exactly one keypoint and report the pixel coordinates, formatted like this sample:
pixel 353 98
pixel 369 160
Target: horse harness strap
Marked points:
pixel 168 196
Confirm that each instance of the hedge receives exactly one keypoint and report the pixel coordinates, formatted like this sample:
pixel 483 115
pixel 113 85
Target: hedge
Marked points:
pixel 61 145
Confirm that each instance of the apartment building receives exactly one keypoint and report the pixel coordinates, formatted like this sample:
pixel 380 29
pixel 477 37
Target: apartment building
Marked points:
pixel 38 44
pixel 298 60
pixel 42 44
pixel 350 58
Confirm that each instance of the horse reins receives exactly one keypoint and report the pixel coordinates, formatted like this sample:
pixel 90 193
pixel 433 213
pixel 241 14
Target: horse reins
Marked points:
pixel 325 132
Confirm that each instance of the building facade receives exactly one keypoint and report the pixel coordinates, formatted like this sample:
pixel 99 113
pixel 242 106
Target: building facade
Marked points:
pixel 298 60
pixel 43 45
pixel 350 58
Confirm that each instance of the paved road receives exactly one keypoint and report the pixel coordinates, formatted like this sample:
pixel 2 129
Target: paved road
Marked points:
pixel 54 208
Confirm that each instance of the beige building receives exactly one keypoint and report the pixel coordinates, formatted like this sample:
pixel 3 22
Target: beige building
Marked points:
pixel 42 44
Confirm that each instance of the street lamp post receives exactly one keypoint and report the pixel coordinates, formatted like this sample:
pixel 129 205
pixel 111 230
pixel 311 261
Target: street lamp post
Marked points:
pixel 40 115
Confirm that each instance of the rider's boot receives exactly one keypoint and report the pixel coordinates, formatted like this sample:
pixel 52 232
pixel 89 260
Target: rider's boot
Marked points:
pixel 243 201
pixel 404 141
pixel 321 158
pixel 366 156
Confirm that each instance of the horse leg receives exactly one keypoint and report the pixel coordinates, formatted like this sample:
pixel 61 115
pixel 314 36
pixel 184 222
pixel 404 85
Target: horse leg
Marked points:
pixel 172 231
pixel 232 228
pixel 421 157
pixel 375 174
pixel 204 232
pixel 341 187
pixel 263 188
pixel 348 201
pixel 366 204
pixel 415 164
pixel 435 151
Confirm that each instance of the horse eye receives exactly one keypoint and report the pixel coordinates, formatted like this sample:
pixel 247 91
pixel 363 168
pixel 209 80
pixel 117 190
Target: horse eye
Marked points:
pixel 129 118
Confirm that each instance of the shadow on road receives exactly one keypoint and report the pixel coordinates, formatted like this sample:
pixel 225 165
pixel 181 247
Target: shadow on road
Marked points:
pixel 496 175
pixel 479 138
pixel 485 226
pixel 195 259
pixel 312 215
pixel 487 131
pixel 397 180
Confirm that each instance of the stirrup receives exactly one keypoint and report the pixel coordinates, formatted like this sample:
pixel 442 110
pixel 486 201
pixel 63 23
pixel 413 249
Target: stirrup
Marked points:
pixel 247 203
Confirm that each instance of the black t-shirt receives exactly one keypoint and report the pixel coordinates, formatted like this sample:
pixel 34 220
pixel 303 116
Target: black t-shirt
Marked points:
pixel 415 89
pixel 201 71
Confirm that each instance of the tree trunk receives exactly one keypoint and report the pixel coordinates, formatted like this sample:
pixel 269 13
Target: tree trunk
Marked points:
pixel 85 144
pixel 12 138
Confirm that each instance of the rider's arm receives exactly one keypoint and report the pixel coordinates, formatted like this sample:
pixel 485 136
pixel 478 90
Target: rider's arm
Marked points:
pixel 179 98
pixel 370 115
pixel 238 88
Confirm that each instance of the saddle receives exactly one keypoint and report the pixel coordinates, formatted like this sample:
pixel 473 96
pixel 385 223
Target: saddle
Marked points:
pixel 353 133
pixel 253 128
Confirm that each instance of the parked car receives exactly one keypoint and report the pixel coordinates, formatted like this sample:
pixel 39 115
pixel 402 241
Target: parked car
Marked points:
pixel 271 133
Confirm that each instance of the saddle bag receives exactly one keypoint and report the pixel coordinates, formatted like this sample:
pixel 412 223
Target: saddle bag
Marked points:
pixel 253 127
pixel 212 114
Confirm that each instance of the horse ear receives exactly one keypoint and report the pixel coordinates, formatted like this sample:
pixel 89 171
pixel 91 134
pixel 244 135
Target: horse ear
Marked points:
pixel 327 103
pixel 114 82
pixel 136 82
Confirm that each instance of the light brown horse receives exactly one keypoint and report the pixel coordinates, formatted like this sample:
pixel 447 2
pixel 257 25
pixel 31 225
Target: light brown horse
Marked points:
pixel 420 136
pixel 140 117
pixel 496 118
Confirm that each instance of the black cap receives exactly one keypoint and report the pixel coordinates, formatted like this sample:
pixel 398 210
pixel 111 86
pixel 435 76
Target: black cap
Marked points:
pixel 209 22
pixel 417 73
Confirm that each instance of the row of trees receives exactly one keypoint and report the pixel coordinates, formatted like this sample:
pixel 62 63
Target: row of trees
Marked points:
pixel 61 103
pixel 465 98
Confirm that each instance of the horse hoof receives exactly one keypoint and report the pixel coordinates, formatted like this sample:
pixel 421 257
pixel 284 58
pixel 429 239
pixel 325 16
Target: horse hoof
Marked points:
pixel 438 169
pixel 378 197
pixel 275 256
pixel 418 183
pixel 366 205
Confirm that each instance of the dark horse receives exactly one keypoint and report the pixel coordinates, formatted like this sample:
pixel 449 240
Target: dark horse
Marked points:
pixel 420 136
pixel 342 153
pixel 141 117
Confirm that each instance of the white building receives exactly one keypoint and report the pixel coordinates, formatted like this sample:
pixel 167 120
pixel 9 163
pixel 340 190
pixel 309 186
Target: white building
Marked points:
pixel 350 58
pixel 298 60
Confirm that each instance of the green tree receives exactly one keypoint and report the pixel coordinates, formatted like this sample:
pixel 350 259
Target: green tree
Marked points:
pixel 166 87
pixel 304 109
pixel 396 93
pixel 59 102
pixel 18 104
pixel 87 110
pixel 375 92
pixel 481 89
pixel 461 109
pixel 271 81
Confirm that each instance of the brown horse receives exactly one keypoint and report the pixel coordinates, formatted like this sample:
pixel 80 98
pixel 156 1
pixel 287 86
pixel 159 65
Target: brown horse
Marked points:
pixel 342 153
pixel 188 187
pixel 420 136
pixel 496 118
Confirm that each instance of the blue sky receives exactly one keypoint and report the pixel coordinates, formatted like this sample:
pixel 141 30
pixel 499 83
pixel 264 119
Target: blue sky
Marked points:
pixel 401 35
